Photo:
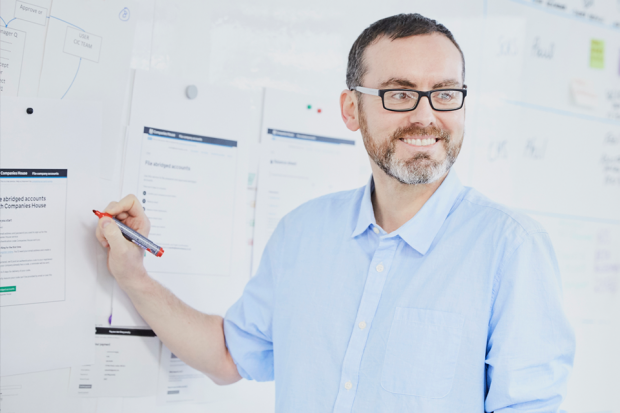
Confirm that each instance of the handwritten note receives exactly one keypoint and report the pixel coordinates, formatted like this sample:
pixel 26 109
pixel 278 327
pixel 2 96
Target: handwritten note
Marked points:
pixel 606 263
pixel 612 100
pixel 610 159
pixel 498 150
pixel 535 148
pixel 543 49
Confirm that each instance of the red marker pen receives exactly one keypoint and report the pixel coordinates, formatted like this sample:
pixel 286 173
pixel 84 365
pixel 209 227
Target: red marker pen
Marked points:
pixel 133 236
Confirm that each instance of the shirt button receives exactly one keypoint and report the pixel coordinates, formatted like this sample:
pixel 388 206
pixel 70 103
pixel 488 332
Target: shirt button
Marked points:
pixel 348 385
pixel 380 268
pixel 362 325
pixel 376 230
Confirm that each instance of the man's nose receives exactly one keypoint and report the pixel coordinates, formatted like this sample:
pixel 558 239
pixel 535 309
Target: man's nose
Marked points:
pixel 423 115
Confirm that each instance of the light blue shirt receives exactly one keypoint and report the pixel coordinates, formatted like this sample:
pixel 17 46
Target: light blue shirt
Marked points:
pixel 459 310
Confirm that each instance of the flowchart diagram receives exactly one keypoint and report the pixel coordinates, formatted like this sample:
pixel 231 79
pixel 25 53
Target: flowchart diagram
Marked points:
pixel 71 49
pixel 19 65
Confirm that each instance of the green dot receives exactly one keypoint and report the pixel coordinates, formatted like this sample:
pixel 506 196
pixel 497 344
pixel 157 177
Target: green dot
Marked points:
pixel 309 106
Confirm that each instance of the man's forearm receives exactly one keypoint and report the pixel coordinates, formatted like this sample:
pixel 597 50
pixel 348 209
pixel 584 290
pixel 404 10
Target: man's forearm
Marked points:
pixel 196 338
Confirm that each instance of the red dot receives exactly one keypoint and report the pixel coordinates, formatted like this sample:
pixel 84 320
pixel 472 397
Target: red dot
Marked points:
pixel 318 110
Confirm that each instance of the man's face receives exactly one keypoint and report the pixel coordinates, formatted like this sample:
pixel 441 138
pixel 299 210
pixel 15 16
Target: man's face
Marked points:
pixel 420 146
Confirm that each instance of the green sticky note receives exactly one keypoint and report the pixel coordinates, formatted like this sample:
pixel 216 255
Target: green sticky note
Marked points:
pixel 597 54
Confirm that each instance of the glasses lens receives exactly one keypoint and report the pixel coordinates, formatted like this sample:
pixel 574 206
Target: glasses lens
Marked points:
pixel 400 99
pixel 447 99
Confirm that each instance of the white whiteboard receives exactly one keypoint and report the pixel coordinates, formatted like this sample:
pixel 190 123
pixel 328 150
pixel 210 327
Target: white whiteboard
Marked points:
pixel 542 134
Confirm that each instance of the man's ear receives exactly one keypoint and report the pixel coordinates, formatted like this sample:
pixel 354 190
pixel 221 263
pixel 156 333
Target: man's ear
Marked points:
pixel 349 110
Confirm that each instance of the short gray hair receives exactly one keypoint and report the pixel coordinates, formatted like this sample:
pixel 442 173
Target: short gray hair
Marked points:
pixel 394 27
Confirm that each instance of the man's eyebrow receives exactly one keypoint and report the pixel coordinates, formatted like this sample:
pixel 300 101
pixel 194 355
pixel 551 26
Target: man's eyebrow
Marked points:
pixel 400 82
pixel 447 84
pixel 397 81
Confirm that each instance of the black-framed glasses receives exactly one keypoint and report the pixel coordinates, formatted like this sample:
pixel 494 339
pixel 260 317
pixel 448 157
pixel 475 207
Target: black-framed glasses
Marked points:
pixel 405 100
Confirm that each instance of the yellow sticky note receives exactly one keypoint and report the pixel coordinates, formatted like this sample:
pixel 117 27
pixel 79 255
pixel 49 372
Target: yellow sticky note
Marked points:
pixel 597 54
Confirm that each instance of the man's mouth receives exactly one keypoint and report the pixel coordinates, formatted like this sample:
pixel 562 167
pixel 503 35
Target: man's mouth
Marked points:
pixel 427 141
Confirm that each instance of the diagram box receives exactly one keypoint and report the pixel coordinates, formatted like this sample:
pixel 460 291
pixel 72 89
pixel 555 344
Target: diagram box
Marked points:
pixel 81 44
pixel 31 13
pixel 11 54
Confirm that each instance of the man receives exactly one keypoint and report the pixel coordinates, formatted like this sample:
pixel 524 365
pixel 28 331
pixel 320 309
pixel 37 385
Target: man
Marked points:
pixel 413 293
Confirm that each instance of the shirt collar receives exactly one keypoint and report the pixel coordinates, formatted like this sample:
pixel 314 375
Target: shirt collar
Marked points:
pixel 420 231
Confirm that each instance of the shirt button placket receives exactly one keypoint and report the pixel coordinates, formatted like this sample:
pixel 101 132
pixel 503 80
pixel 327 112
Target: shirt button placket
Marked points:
pixel 377 272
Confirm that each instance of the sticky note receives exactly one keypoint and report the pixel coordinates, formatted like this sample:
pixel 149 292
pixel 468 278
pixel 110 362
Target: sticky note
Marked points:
pixel 583 93
pixel 597 54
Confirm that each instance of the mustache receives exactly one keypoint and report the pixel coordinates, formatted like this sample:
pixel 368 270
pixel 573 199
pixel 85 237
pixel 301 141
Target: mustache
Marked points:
pixel 401 133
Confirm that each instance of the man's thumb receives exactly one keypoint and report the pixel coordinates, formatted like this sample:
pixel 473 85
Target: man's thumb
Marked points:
pixel 112 234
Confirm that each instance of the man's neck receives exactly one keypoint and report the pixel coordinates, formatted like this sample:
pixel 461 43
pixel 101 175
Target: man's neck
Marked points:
pixel 395 203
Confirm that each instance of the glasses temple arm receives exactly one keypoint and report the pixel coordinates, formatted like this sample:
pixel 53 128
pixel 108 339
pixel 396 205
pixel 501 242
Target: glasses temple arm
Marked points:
pixel 367 90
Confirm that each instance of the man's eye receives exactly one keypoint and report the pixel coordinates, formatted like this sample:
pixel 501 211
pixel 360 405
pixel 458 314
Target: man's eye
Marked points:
pixel 445 96
pixel 402 95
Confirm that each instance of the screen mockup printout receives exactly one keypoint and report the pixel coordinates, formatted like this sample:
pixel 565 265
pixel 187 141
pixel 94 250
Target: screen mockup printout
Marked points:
pixel 125 365
pixel 47 299
pixel 179 383
pixel 295 168
pixel 32 235
pixel 186 184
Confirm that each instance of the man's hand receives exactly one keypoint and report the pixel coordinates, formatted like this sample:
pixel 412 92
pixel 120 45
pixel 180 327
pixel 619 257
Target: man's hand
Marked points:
pixel 125 259
pixel 196 338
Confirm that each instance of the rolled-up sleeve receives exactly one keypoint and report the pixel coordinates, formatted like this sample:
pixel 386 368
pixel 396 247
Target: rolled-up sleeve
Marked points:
pixel 248 323
pixel 531 345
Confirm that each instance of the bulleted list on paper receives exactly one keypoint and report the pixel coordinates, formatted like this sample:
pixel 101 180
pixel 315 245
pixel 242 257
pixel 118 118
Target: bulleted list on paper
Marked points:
pixel 186 187
pixel 32 235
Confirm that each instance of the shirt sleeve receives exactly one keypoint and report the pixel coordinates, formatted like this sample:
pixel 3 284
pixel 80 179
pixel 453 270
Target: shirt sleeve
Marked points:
pixel 248 323
pixel 531 345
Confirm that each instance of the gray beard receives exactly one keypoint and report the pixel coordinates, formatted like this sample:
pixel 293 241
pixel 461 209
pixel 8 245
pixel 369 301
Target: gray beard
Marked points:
pixel 420 169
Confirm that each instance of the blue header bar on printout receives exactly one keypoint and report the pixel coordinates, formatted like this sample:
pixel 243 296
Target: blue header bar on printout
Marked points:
pixel 306 137
pixel 160 133
pixel 33 173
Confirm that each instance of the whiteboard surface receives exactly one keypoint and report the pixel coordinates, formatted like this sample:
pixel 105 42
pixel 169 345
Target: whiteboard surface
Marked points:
pixel 542 131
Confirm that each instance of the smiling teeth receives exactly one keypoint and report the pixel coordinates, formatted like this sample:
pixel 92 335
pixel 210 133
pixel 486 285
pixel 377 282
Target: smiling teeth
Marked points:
pixel 420 142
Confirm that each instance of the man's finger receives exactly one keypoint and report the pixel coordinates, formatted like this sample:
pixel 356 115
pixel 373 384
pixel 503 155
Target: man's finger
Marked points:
pixel 130 204
pixel 100 237
pixel 112 234
pixel 111 206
